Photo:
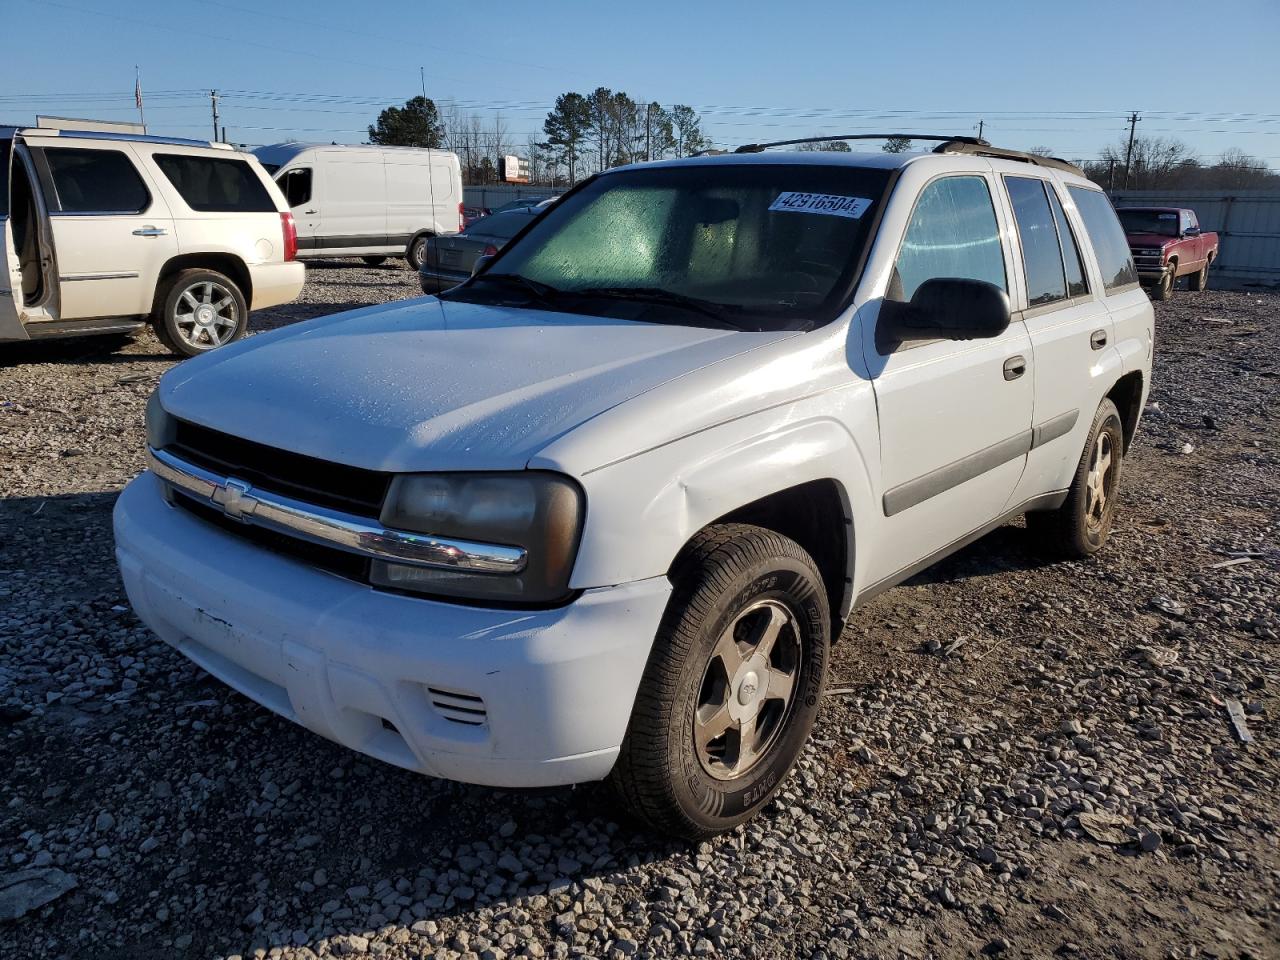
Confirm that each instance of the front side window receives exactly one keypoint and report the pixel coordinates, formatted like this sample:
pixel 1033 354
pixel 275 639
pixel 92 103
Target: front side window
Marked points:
pixel 216 185
pixel 953 234
pixel 1041 254
pixel 755 245
pixel 96 181
pixel 1107 237
pixel 296 186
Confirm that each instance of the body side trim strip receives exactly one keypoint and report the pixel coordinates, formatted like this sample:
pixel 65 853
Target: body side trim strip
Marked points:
pixel 922 488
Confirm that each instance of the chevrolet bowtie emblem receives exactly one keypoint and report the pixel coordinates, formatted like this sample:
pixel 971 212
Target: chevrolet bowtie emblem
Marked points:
pixel 233 496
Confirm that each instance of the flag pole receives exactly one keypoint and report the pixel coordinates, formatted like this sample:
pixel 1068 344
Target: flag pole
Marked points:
pixel 137 96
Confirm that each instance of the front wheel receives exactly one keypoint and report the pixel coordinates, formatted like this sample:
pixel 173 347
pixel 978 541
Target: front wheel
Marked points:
pixel 1080 527
pixel 732 686
pixel 374 261
pixel 1164 286
pixel 200 311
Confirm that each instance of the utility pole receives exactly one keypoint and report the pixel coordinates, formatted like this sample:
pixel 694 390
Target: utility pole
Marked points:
pixel 422 79
pixel 981 124
pixel 648 132
pixel 1111 175
pixel 213 101
pixel 1128 154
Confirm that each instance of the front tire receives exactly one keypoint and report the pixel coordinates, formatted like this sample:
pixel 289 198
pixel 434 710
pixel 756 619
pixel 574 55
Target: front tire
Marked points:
pixel 1080 527
pixel 732 686
pixel 374 261
pixel 200 311
pixel 1163 288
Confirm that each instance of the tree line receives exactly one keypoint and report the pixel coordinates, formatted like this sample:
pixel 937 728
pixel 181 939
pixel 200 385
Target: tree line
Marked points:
pixel 582 134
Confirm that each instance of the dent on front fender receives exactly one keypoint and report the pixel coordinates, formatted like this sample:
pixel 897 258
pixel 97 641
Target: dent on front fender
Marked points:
pixel 642 511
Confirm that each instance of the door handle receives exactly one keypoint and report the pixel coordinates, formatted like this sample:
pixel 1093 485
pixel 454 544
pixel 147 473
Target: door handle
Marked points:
pixel 310 211
pixel 1098 339
pixel 149 231
pixel 1015 367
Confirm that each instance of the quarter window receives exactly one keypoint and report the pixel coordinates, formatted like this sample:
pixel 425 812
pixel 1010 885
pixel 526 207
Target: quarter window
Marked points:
pixel 215 185
pixel 1041 255
pixel 1108 239
pixel 1077 286
pixel 952 233
pixel 96 181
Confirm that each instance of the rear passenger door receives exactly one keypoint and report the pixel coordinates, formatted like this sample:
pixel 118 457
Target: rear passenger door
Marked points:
pixel 954 415
pixel 112 230
pixel 11 327
pixel 1070 329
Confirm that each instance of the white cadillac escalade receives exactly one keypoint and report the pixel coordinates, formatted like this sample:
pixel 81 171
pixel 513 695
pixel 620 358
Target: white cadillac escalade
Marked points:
pixel 602 510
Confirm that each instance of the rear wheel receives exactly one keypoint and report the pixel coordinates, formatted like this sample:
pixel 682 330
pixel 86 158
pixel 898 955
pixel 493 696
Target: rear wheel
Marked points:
pixel 1200 279
pixel 416 253
pixel 1080 527
pixel 732 686
pixel 374 261
pixel 200 311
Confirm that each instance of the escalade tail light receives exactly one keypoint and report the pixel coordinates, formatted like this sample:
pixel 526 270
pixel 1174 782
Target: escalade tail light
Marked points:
pixel 290 232
pixel 462 217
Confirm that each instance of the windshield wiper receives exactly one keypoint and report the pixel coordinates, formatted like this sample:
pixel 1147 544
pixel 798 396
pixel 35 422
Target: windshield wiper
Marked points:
pixel 707 308
pixel 539 290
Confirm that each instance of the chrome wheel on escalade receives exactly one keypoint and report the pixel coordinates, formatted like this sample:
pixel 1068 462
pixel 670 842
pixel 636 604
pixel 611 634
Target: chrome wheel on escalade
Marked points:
pixel 202 310
pixel 732 686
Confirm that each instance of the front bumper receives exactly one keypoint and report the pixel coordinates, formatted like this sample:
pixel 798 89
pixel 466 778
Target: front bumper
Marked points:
pixel 512 698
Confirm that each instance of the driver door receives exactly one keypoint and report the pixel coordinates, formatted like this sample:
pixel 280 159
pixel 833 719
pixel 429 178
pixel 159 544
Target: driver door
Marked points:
pixel 955 415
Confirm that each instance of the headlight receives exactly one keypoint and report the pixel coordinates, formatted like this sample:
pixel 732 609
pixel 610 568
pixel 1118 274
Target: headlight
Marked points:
pixel 160 426
pixel 539 512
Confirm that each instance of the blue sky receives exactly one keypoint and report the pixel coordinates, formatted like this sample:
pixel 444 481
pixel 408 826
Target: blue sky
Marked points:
pixel 1061 74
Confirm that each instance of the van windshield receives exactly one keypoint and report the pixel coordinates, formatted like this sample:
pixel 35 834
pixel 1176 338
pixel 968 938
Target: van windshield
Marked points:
pixel 756 246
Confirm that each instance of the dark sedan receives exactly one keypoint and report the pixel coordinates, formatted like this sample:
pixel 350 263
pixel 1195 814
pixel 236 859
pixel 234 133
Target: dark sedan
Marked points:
pixel 449 260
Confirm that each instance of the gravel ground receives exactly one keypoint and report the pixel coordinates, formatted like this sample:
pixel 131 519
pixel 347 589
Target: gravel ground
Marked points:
pixel 1016 758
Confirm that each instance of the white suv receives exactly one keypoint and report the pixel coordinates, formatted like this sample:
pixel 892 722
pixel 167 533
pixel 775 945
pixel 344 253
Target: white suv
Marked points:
pixel 602 510
pixel 102 232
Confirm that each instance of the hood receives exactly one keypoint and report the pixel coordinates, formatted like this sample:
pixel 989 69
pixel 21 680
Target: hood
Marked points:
pixel 431 385
pixel 1148 239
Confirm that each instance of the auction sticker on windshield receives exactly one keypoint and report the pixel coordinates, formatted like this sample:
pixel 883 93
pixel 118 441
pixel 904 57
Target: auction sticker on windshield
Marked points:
pixel 792 201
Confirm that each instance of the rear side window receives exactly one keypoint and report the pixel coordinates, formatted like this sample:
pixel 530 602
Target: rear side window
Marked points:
pixel 1077 286
pixel 216 185
pixel 296 186
pixel 96 181
pixel 1041 255
pixel 952 233
pixel 1106 235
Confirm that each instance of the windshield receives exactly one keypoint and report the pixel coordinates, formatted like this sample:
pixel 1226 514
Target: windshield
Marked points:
pixel 1163 222
pixel 758 246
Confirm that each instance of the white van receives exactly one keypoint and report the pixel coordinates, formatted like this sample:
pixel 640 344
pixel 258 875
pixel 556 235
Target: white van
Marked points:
pixel 367 201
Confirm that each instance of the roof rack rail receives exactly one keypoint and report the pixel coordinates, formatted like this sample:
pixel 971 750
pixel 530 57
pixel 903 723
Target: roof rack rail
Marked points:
pixel 984 149
pixel 760 147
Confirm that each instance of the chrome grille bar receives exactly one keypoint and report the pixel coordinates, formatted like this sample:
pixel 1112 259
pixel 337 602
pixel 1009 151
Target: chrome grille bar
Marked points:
pixel 331 528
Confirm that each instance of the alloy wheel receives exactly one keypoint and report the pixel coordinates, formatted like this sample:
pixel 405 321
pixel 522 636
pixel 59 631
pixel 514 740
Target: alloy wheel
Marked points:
pixel 206 315
pixel 748 689
pixel 1099 482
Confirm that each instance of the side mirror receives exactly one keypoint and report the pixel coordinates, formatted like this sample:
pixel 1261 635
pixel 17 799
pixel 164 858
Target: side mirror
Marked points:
pixel 482 263
pixel 1191 232
pixel 946 308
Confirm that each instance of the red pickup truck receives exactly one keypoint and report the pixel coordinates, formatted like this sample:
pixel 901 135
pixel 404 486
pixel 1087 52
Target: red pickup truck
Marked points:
pixel 1167 243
